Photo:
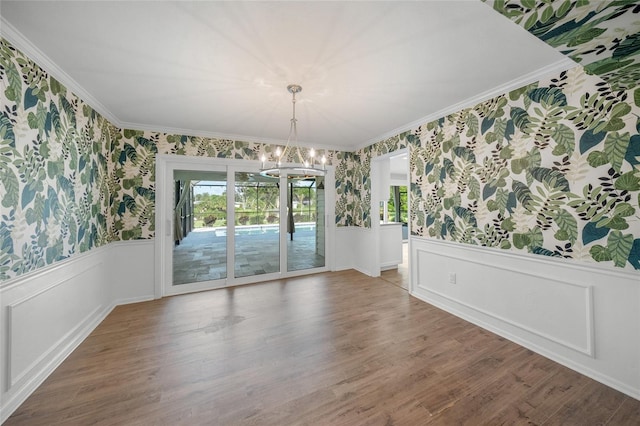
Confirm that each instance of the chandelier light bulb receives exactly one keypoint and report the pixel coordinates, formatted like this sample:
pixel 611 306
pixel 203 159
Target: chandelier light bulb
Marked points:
pixel 306 168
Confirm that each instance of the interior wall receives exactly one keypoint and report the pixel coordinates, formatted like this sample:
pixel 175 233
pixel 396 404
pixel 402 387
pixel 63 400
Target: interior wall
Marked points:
pixel 73 180
pixel 549 169
pixel 601 36
pixel 133 173
pixel 47 313
pixel 584 316
pixel 54 154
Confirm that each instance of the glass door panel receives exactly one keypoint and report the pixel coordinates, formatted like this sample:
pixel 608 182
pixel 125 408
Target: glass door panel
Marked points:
pixel 257 231
pixel 200 226
pixel 305 224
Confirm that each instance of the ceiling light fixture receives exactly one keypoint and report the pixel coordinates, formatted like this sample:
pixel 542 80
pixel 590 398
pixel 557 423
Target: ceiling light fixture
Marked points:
pixel 306 167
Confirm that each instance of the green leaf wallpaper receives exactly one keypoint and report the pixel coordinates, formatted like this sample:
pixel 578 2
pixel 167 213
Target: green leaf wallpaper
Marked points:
pixel 550 168
pixel 132 173
pixel 53 169
pixel 602 36
pixel 353 182
pixel 539 170
pixel 546 173
pixel 70 180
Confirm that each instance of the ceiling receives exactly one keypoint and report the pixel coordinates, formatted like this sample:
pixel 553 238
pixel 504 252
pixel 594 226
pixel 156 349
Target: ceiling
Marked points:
pixel 368 70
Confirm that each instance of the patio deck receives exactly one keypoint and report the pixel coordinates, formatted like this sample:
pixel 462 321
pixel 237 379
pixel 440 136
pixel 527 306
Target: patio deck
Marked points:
pixel 202 254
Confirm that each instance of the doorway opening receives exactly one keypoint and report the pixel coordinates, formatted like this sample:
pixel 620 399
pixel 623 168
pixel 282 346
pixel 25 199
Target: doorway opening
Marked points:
pixel 390 197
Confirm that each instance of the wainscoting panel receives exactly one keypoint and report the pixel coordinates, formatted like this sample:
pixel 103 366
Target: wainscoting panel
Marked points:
pixel 354 248
pixel 43 322
pixel 343 248
pixel 132 264
pixel 349 241
pixel 581 315
pixel 555 309
pixel 48 313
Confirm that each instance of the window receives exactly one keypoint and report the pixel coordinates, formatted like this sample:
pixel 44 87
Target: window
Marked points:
pixel 397 204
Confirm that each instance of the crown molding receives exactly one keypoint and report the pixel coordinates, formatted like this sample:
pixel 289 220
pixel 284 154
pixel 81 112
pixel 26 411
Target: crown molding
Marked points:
pixel 216 135
pixel 557 67
pixel 20 42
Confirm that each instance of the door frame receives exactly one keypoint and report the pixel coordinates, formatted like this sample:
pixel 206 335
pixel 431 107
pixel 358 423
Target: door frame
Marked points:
pixel 166 164
pixel 376 181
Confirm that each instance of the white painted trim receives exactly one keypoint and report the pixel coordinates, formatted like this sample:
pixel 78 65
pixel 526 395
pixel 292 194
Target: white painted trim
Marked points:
pixel 599 353
pixel 545 260
pixel 19 41
pixel 375 202
pixel 16 389
pixel 537 75
pixel 76 257
pixel 575 366
pixel 13 306
pixel 166 164
pixel 28 48
pixel 30 385
pixel 589 350
pixel 343 248
pixel 71 335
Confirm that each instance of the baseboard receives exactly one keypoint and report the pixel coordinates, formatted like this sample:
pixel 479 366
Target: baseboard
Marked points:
pixel 99 280
pixel 609 381
pixel 10 404
pixel 583 316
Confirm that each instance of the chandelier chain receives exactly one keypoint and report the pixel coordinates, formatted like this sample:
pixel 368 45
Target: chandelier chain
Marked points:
pixel 307 168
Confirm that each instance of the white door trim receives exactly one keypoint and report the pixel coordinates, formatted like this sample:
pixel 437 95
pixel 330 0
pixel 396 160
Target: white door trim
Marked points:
pixel 376 199
pixel 165 166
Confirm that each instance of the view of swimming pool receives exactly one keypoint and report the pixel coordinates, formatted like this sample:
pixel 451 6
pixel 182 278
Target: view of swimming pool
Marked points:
pixel 257 229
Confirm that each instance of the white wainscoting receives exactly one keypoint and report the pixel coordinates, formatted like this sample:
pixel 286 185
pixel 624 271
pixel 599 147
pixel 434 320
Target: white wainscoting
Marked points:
pixel 353 250
pixel 48 313
pixel 344 247
pixel 133 271
pixel 584 316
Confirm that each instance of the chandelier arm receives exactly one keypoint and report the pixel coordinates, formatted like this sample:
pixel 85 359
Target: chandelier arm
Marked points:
pixel 307 168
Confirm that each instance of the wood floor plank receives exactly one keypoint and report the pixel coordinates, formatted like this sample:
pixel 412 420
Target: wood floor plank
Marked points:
pixel 591 404
pixel 628 414
pixel 328 349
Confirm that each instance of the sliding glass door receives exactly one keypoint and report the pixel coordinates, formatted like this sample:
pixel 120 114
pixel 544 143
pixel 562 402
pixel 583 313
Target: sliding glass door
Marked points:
pixel 200 227
pixel 305 224
pixel 232 226
pixel 257 230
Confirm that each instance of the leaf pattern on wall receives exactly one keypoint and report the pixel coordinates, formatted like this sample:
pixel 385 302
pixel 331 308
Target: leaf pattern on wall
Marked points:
pixel 132 173
pixel 602 36
pixel 53 150
pixel 557 178
pixel 353 181
pixel 70 180
pixel 550 168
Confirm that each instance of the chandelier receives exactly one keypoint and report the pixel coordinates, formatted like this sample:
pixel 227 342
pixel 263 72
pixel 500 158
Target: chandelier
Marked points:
pixel 305 167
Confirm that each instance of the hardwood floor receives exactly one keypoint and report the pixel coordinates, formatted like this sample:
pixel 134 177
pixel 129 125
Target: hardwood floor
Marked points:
pixel 328 349
pixel 399 276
